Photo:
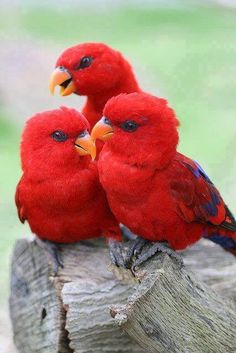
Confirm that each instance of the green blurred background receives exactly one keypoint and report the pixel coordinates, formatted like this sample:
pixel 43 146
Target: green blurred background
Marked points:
pixel 181 50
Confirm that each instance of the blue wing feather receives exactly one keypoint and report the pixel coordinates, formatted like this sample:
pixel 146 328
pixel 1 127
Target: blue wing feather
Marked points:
pixel 226 242
pixel 206 202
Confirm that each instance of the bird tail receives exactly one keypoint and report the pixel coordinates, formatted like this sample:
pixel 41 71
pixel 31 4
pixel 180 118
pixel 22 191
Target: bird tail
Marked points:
pixel 227 243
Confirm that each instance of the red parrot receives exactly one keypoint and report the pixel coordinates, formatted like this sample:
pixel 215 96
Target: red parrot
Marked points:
pixel 155 191
pixel 59 193
pixel 94 70
pixel 97 71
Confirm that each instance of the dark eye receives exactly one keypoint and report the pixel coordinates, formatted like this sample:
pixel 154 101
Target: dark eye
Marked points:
pixel 106 121
pixel 83 133
pixel 129 126
pixel 86 61
pixel 59 136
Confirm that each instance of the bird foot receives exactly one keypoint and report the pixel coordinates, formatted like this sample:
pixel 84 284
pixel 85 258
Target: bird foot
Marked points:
pixel 116 252
pixel 158 247
pixel 54 253
pixel 134 253
pixel 123 253
pixel 134 248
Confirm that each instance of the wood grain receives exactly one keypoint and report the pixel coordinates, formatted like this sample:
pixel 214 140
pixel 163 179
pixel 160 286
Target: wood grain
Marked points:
pixel 89 308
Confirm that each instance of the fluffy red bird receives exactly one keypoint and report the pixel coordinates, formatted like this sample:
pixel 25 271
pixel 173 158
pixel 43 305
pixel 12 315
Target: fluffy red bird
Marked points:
pixel 158 193
pixel 97 71
pixel 59 194
pixel 94 70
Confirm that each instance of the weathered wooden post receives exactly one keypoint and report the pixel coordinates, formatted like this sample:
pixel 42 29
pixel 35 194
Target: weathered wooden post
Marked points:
pixel 88 309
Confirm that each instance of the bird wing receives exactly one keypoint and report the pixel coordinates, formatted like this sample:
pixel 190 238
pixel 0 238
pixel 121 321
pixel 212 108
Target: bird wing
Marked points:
pixel 196 197
pixel 19 205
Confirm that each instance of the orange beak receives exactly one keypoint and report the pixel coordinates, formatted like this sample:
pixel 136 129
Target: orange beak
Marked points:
pixel 102 130
pixel 62 77
pixel 85 145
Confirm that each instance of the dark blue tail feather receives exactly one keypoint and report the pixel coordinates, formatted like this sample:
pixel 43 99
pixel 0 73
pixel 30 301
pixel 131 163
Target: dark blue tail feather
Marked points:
pixel 227 243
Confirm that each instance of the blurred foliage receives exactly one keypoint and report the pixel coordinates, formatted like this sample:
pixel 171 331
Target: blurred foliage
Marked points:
pixel 9 174
pixel 187 55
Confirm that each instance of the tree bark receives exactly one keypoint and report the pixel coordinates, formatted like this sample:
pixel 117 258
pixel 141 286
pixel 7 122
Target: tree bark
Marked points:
pixel 162 309
pixel 173 312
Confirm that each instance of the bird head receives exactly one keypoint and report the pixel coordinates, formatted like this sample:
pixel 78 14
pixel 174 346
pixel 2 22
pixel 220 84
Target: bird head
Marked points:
pixel 139 127
pixel 56 141
pixel 88 69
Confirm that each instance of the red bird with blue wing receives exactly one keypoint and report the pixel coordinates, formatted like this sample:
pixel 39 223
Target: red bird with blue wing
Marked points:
pixel 158 193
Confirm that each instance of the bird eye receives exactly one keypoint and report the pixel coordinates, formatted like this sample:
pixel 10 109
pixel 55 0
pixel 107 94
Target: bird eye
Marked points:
pixel 106 121
pixel 59 136
pixel 86 61
pixel 129 126
pixel 83 133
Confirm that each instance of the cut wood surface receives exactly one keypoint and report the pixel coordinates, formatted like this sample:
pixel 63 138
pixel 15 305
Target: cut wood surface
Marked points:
pixel 88 308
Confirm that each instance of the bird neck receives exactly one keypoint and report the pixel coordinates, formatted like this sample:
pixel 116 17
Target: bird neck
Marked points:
pixel 157 157
pixel 95 103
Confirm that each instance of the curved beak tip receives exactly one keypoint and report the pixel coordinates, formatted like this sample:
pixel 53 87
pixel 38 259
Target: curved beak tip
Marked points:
pixel 101 131
pixel 58 77
pixel 93 155
pixel 86 146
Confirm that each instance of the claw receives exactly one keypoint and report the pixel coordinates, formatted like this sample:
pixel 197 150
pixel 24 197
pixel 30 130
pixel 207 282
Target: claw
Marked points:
pixel 116 253
pixel 154 248
pixel 134 250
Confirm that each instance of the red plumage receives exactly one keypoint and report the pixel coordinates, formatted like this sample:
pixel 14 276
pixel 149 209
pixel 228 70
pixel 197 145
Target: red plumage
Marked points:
pixel 107 75
pixel 59 193
pixel 155 191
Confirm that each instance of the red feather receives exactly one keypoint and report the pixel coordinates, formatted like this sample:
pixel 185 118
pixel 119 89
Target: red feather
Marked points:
pixel 109 75
pixel 20 207
pixel 59 193
pixel 193 194
pixel 152 189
